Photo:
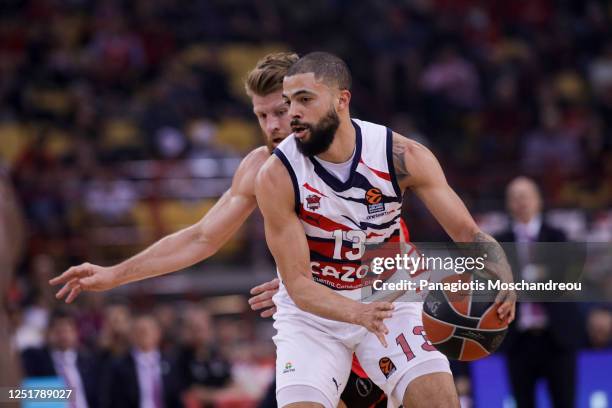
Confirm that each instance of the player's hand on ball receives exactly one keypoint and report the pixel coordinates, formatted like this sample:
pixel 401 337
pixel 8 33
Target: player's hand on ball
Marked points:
pixel 507 300
pixel 371 316
pixel 81 278
pixel 262 297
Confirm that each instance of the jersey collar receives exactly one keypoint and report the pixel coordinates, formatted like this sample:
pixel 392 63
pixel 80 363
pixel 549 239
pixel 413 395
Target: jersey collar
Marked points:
pixel 329 178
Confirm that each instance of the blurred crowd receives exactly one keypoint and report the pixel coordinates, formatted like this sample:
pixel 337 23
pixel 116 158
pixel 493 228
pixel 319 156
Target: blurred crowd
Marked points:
pixel 172 356
pixel 496 90
pixel 121 121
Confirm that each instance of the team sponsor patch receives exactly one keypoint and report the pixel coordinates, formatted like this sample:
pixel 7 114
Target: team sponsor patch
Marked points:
pixel 374 197
pixel 288 368
pixel 386 366
pixel 313 202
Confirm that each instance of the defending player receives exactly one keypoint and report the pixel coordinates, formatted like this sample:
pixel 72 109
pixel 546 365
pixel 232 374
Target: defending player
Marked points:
pixel 203 239
pixel 314 195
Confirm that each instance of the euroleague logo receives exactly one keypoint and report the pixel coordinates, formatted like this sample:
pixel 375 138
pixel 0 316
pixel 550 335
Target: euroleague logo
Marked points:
pixel 374 197
pixel 386 366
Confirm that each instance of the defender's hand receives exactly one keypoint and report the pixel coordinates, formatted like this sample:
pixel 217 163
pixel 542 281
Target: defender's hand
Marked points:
pixel 85 277
pixel 507 300
pixel 262 297
pixel 371 316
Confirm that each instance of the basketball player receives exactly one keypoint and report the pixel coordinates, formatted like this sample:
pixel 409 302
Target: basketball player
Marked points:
pixel 315 194
pixel 11 247
pixel 203 239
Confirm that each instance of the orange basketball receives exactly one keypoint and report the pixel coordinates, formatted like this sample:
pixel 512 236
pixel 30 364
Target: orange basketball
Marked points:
pixel 458 326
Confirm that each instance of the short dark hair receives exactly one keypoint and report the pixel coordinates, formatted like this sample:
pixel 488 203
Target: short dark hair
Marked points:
pixel 267 76
pixel 326 67
pixel 61 313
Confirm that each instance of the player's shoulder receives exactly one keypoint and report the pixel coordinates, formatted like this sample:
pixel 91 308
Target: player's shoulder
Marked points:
pixel 287 147
pixel 408 145
pixel 269 171
pixel 244 178
pixel 369 127
pixel 414 163
pixel 256 158
pixel 274 173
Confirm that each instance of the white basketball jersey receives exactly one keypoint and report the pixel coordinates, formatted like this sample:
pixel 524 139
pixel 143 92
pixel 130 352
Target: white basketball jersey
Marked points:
pixel 340 218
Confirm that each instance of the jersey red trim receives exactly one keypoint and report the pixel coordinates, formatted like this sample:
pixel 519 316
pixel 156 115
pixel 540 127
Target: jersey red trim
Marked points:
pixel 320 221
pixel 314 190
pixel 381 174
pixel 357 369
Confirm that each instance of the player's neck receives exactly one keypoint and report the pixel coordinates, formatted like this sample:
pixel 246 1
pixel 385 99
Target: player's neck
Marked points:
pixel 343 146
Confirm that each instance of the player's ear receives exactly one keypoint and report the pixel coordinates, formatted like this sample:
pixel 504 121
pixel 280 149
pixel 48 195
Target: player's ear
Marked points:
pixel 344 98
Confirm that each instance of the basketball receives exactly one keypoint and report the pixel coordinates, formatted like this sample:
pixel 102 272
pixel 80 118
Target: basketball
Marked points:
pixel 459 326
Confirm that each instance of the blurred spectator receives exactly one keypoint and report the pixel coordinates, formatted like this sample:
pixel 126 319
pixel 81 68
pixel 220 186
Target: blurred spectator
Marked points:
pixel 114 338
pixel 551 148
pixel 36 179
pixel 543 340
pixel 32 324
pixel 109 198
pixel 599 328
pixel 503 119
pixel 143 377
pixel 91 319
pixel 42 269
pixel 452 78
pixel 61 356
pixel 38 300
pixel 601 72
pixel 167 318
pixel 207 373
pixel 117 52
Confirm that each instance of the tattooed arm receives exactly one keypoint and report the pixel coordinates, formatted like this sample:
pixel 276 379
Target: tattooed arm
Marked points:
pixel 418 169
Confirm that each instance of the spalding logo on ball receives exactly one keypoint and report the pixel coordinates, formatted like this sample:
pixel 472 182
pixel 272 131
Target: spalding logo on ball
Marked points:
pixel 458 326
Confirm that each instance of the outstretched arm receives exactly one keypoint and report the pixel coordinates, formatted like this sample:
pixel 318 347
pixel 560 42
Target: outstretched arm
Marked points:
pixel 287 241
pixel 418 169
pixel 179 250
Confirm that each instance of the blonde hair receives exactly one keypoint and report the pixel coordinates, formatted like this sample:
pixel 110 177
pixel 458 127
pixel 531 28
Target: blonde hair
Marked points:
pixel 267 76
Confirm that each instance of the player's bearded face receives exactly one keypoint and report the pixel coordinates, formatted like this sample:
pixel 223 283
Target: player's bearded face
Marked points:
pixel 321 134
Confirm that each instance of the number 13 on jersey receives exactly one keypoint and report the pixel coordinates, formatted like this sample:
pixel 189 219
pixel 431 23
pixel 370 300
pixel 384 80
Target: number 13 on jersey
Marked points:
pixel 357 237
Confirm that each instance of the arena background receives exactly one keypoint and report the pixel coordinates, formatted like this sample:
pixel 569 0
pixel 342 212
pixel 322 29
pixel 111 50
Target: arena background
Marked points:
pixel 122 121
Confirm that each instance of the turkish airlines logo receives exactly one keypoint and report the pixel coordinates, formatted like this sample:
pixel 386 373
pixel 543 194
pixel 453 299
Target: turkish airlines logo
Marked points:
pixel 386 366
